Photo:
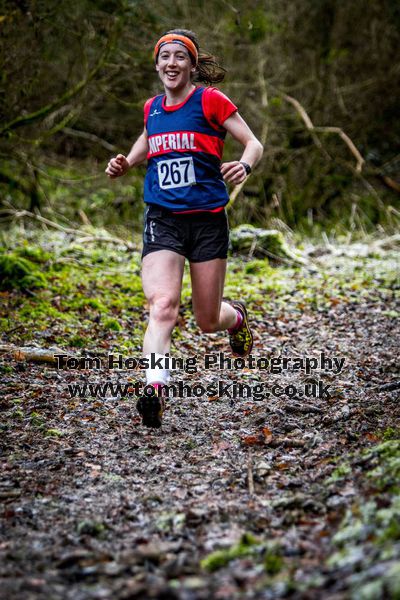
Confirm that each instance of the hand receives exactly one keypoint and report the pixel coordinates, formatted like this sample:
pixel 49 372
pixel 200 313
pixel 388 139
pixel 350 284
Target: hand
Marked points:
pixel 234 172
pixel 117 166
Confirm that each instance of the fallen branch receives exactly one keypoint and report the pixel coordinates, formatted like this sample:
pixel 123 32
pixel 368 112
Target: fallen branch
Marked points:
pixel 387 242
pixel 280 442
pixel 43 355
pixel 388 387
pixel 20 214
pixel 109 240
pixel 38 355
pixel 391 183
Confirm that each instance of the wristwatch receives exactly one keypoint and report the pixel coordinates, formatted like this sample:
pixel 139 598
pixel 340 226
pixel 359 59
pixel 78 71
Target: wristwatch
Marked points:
pixel 247 167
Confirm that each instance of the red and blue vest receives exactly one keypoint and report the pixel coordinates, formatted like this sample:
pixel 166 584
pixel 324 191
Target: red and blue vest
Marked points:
pixel 185 151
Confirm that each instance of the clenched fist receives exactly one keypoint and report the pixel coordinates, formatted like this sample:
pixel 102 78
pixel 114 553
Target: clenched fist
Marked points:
pixel 234 172
pixel 117 166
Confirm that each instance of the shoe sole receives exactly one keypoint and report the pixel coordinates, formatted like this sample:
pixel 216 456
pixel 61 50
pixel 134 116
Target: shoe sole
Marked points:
pixel 242 307
pixel 149 409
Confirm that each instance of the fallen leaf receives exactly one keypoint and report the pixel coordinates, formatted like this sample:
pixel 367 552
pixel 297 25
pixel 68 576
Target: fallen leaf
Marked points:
pixel 267 433
pixel 252 440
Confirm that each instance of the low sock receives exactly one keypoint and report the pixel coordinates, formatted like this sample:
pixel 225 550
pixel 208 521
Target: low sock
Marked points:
pixel 239 321
pixel 156 375
pixel 158 388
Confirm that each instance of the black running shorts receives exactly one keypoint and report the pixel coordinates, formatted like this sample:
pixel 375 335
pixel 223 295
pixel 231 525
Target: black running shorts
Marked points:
pixel 198 236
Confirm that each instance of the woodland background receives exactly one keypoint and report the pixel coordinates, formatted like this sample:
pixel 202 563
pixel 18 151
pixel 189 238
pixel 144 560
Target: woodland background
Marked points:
pixel 283 497
pixel 75 76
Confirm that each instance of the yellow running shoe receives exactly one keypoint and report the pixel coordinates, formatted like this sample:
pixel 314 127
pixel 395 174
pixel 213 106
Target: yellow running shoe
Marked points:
pixel 241 339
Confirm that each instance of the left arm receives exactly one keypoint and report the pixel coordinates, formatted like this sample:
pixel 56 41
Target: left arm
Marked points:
pixel 234 171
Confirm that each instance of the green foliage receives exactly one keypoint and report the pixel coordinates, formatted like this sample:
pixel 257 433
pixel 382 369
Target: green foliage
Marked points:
pixel 17 272
pixel 36 419
pixel 261 242
pixel 386 475
pixel 255 266
pixel 112 324
pixel 18 414
pixel 391 433
pixel 93 303
pixel 370 530
pixel 76 98
pixel 93 292
pixel 91 528
pixel 88 284
pixel 35 254
pixel 273 562
pixel 77 341
pixel 339 473
pixel 335 55
pixel 256 24
pixel 247 547
pixel 54 433
pixel 220 558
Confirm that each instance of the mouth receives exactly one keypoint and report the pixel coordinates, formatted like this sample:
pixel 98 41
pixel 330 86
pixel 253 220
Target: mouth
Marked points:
pixel 171 74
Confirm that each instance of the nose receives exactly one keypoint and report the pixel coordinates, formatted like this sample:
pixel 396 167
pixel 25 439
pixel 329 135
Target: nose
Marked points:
pixel 171 60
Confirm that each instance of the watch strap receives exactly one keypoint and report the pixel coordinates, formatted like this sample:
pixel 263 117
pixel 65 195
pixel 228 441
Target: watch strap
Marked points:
pixel 247 167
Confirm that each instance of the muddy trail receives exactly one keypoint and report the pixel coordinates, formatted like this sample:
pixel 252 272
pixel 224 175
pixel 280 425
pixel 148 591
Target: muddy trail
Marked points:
pixel 290 493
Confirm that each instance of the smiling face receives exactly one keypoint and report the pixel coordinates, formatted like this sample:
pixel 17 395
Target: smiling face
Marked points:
pixel 174 67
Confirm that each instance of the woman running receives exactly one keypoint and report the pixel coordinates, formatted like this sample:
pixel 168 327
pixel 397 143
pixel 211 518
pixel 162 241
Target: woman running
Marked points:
pixel 185 196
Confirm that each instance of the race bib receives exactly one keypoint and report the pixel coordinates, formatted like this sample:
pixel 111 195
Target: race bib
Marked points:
pixel 176 173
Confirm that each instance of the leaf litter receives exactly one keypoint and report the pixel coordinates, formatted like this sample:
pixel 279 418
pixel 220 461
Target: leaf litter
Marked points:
pixel 259 498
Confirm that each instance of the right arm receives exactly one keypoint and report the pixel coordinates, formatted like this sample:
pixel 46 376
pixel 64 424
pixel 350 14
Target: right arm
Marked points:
pixel 120 164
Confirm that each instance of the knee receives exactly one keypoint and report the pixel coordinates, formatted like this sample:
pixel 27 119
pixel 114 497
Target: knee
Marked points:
pixel 163 309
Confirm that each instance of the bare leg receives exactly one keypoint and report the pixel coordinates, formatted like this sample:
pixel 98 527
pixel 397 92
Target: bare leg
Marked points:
pixel 207 289
pixel 162 273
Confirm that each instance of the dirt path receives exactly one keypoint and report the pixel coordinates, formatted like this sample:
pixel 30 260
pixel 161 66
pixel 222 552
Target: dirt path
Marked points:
pixel 94 506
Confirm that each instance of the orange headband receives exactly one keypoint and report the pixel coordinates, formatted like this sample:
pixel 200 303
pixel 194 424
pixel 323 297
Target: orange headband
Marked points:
pixel 172 38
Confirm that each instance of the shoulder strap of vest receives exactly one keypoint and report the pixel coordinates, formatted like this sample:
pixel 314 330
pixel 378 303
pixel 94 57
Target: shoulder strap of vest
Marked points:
pixel 147 108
